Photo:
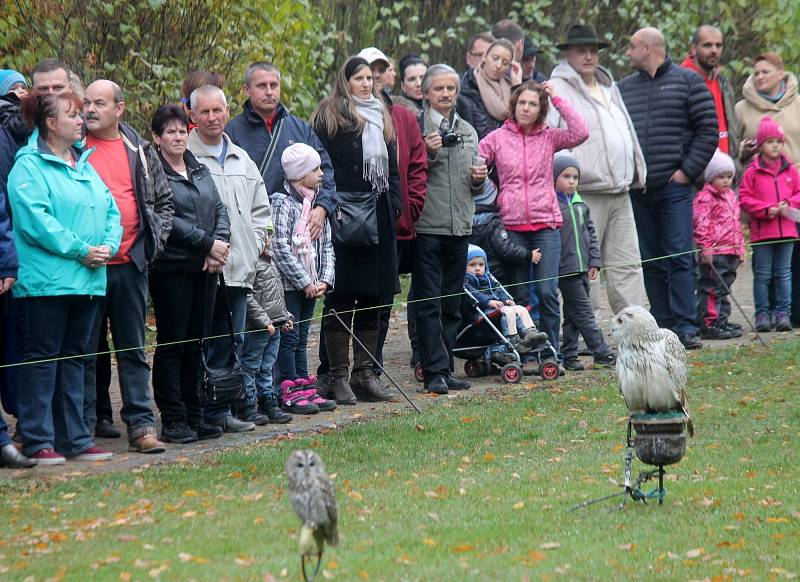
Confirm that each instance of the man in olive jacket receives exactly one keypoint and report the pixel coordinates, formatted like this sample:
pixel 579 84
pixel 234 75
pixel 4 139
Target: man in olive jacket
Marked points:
pixel 443 229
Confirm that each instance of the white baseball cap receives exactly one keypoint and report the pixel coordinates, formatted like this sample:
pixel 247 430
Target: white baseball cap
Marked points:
pixel 372 54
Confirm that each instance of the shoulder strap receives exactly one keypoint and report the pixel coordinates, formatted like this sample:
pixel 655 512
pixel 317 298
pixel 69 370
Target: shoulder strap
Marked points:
pixel 273 144
pixel 223 291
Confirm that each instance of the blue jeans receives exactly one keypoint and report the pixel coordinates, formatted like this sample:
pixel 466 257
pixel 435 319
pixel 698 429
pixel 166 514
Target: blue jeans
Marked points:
pixel 259 352
pixel 664 224
pixel 292 354
pixel 51 403
pixel 772 261
pixel 4 438
pixel 125 305
pixel 219 350
pixel 548 241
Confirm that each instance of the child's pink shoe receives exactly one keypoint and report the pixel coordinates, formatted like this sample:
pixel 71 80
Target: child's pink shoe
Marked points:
pixel 309 385
pixel 294 398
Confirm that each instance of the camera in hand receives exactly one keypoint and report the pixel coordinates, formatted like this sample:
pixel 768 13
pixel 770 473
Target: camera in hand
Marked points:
pixel 450 138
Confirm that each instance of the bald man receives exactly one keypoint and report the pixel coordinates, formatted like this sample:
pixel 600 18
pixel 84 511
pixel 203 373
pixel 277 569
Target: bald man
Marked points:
pixel 133 172
pixel 675 119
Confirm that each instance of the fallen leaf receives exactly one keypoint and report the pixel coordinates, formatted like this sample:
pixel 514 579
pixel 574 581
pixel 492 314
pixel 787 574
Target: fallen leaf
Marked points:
pixel 488 457
pixel 463 548
pixel 244 561
pixel 695 553
pixel 190 493
pixel 519 505
pixel 628 547
pixel 430 542
pixel 550 546
pixel 777 520
pixel 536 555
pixel 189 514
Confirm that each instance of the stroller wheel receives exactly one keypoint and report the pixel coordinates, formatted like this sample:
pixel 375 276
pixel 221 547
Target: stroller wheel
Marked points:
pixel 473 369
pixel 511 373
pixel 419 376
pixel 548 370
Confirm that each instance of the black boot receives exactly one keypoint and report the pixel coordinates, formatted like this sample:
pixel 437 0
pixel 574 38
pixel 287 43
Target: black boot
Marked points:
pixel 269 407
pixel 248 412
pixel 337 344
pixel 363 381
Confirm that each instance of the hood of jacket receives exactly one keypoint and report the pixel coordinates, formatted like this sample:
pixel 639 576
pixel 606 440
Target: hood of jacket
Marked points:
pixel 750 94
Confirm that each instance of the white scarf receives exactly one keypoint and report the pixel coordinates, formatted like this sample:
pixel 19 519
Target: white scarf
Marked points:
pixel 375 154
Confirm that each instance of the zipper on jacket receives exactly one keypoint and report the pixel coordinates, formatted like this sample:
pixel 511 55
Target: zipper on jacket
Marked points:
pixel 577 237
pixel 778 200
pixel 525 177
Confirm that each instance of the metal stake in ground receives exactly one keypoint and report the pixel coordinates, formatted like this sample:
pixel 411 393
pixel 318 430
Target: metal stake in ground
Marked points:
pixel 736 303
pixel 374 361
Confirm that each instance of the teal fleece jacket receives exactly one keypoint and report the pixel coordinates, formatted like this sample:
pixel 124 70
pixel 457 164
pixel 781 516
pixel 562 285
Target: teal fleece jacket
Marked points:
pixel 59 212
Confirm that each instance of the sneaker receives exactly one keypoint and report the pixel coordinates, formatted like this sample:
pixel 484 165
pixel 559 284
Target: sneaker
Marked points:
pixel 762 323
pixel 691 341
pixel 532 339
pixel 782 322
pixel 249 413
pixel 206 431
pixel 147 444
pixel 178 433
pixel 48 457
pixel 734 329
pixel 716 332
pixel 105 430
pixel 605 360
pixel 93 454
pixel 574 365
pixel 233 424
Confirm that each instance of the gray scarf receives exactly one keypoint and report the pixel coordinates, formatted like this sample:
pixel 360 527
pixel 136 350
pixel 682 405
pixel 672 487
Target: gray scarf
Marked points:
pixel 376 156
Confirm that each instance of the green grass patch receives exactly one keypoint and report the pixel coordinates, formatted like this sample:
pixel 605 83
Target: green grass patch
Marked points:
pixel 473 489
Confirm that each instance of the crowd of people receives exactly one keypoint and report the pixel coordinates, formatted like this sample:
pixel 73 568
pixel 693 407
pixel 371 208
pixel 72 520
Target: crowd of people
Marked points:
pixel 235 228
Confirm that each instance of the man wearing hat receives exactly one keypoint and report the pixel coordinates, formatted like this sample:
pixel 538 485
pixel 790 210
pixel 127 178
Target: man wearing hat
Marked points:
pixel 529 52
pixel 676 123
pixel 610 161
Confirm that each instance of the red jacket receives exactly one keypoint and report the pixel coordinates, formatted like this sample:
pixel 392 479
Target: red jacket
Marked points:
pixel 717 226
pixel 413 168
pixel 763 187
pixel 524 164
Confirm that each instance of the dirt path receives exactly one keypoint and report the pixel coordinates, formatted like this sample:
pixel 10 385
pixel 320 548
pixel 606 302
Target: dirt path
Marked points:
pixel 396 355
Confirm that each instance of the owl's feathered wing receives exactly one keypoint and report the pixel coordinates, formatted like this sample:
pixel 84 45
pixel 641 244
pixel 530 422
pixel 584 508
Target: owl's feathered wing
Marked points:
pixel 329 497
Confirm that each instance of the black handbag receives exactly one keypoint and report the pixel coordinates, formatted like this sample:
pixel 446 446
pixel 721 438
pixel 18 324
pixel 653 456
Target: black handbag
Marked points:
pixel 219 386
pixel 355 223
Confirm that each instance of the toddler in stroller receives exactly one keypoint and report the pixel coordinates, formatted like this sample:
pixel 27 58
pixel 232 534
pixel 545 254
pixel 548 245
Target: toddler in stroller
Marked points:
pixel 498 331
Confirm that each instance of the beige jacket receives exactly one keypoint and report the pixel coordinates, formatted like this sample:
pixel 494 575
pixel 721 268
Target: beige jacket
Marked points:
pixel 242 189
pixel 611 158
pixel 785 112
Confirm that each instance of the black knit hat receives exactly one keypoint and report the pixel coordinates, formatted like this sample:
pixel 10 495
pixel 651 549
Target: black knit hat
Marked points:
pixel 582 34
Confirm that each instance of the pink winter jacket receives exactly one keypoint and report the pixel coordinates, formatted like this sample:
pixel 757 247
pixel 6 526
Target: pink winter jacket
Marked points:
pixel 524 164
pixel 717 226
pixel 764 187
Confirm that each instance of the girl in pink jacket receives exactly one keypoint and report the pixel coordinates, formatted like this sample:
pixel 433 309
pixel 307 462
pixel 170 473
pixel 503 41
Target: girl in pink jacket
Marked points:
pixel 521 152
pixel 770 186
pixel 718 234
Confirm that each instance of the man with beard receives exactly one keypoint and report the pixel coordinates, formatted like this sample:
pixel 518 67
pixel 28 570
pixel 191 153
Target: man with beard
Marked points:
pixel 704 58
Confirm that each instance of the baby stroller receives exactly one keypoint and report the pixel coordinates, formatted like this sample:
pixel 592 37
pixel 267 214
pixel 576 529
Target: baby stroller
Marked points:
pixel 482 335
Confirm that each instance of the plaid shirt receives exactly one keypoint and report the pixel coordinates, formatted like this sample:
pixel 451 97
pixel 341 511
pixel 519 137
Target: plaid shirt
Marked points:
pixel 286 210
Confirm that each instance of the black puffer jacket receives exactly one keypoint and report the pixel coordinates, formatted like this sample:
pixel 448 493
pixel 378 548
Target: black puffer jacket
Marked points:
pixel 675 120
pixel 200 218
pixel 502 253
pixel 471 108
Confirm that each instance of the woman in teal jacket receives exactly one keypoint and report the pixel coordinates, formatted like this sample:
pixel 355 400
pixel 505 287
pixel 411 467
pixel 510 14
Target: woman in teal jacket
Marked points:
pixel 66 228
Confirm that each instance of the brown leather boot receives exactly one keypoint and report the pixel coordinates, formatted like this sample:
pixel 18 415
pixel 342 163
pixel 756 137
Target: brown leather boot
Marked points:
pixel 337 344
pixel 363 381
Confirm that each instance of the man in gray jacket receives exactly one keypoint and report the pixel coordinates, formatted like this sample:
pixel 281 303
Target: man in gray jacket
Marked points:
pixel 242 190
pixel 443 229
pixel 611 160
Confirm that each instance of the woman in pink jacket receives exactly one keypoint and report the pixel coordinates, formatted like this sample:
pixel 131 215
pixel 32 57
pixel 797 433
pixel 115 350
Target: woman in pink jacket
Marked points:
pixel 522 153
pixel 770 188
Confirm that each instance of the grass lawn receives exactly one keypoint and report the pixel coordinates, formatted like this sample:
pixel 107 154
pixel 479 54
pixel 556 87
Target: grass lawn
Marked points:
pixel 471 489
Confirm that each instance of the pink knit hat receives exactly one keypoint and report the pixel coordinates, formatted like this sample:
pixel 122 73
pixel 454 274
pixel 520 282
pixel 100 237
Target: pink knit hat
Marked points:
pixel 768 129
pixel 298 160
